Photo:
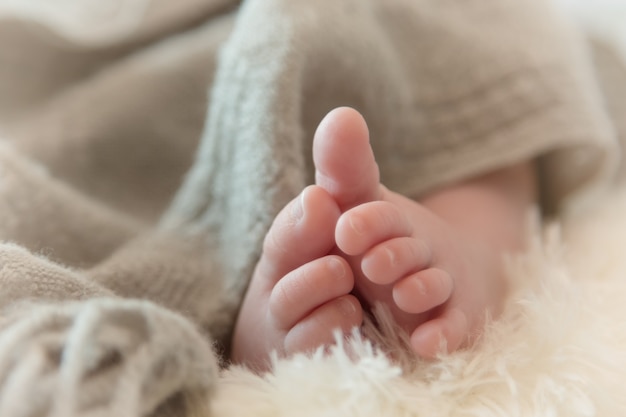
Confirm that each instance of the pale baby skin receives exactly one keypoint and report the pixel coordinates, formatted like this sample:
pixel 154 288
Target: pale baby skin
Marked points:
pixel 348 242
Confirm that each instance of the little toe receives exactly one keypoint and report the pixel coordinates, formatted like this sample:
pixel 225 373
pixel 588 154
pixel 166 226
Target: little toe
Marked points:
pixel 396 258
pixel 302 231
pixel 344 161
pixel 423 290
pixel 364 226
pixel 442 334
pixel 306 288
pixel 317 329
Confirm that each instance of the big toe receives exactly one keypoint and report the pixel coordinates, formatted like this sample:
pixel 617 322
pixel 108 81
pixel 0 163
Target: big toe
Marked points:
pixel 344 161
pixel 302 231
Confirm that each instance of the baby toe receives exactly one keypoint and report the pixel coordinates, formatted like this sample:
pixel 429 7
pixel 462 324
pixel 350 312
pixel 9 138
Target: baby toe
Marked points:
pixel 423 290
pixel 302 231
pixel 318 328
pixel 344 161
pixel 396 258
pixel 369 224
pixel 308 287
pixel 442 334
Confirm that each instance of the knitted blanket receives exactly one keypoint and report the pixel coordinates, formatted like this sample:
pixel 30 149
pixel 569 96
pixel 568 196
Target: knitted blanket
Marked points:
pixel 146 146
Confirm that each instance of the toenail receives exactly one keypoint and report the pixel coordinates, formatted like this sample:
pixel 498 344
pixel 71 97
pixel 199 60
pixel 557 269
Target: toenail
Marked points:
pixel 358 225
pixel 347 307
pixel 393 259
pixel 336 267
pixel 297 208
pixel 419 285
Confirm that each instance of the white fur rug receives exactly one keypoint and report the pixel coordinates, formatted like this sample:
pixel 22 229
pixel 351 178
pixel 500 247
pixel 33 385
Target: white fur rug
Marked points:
pixel 559 349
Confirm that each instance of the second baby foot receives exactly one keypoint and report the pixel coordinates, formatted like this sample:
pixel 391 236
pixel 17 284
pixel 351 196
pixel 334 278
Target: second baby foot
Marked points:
pixel 300 293
pixel 434 281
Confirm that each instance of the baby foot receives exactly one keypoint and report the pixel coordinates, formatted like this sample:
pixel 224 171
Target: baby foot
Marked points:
pixel 299 293
pixel 401 254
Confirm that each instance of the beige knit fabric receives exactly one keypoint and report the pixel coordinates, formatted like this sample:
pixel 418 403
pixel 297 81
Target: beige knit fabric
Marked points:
pixel 148 144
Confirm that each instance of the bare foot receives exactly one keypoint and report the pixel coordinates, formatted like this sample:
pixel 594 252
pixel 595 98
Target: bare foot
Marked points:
pixel 350 235
pixel 438 284
pixel 299 293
